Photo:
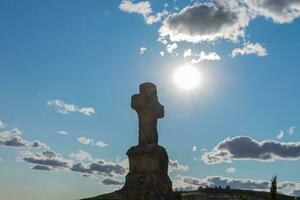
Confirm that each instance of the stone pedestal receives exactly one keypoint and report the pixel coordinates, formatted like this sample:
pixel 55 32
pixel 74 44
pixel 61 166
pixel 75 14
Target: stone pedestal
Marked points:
pixel 148 174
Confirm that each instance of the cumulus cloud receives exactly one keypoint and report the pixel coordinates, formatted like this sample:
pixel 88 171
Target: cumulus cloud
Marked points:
pixel 175 165
pixel 207 22
pixel 62 132
pixel 2 124
pixel 143 8
pixel 112 181
pixel 65 108
pixel 81 155
pixel 246 148
pixel 89 141
pixel 230 170
pixel 280 11
pixel 142 50
pixel 250 48
pixel 19 142
pixel 203 56
pixel 10 133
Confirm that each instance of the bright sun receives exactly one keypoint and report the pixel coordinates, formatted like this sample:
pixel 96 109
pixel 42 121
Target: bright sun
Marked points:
pixel 187 77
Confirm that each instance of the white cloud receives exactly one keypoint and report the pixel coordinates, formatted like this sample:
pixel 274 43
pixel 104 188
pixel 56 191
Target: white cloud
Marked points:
pixel 250 48
pixel 175 165
pixel 2 124
pixel 62 132
pixel 203 56
pixel 162 53
pixel 142 50
pixel 171 47
pixel 280 135
pixel 194 149
pixel 85 141
pixel 100 144
pixel 187 53
pixel 291 130
pixel 89 141
pixel 10 133
pixel 81 155
pixel 65 108
pixel 143 8
pixel 230 170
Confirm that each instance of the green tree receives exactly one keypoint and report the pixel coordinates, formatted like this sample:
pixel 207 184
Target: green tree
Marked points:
pixel 273 188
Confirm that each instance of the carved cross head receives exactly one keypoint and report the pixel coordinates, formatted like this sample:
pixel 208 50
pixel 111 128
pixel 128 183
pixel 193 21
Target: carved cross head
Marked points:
pixel 146 102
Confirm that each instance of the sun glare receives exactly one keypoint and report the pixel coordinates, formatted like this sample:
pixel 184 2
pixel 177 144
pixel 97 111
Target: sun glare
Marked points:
pixel 187 77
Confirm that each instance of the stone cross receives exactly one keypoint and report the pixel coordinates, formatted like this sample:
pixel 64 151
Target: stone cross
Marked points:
pixel 149 110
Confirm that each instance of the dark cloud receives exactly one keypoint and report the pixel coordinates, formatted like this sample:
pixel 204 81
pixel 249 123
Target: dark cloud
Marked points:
pixel 18 142
pixel 242 147
pixel 296 193
pixel 110 181
pixel 280 11
pixel 47 158
pixel 99 167
pixel 43 168
pixel 207 22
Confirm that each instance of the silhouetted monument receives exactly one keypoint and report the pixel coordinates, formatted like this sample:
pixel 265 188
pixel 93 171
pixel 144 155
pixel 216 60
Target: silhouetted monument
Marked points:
pixel 148 162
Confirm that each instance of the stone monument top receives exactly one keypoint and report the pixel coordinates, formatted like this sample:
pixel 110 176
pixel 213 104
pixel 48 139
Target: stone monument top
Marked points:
pixel 149 109
pixel 148 162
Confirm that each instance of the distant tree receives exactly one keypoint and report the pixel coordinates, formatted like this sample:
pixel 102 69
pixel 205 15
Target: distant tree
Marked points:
pixel 228 187
pixel 220 187
pixel 200 188
pixel 216 187
pixel 273 188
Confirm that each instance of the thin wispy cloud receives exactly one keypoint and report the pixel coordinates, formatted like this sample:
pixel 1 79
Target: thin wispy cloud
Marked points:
pixel 89 141
pixel 194 149
pixel 142 50
pixel 2 125
pixel 250 48
pixel 290 131
pixel 62 132
pixel 65 108
pixel 230 170
pixel 143 8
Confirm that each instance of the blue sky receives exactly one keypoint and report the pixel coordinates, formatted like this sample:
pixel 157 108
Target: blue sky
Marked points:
pixel 68 70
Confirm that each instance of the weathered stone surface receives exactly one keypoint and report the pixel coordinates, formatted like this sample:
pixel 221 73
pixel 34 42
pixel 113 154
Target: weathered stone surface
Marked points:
pixel 149 110
pixel 148 162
